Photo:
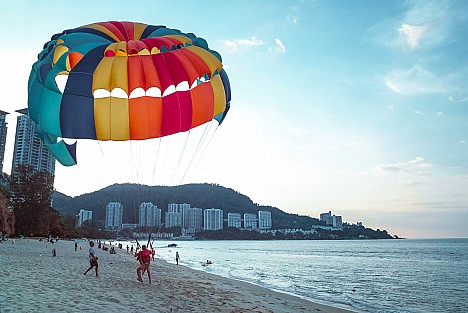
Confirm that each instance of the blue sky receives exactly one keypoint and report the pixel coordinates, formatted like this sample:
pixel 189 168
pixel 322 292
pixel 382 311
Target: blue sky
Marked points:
pixel 358 107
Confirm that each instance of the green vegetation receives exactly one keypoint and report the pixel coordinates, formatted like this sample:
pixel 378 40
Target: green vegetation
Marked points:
pixel 30 196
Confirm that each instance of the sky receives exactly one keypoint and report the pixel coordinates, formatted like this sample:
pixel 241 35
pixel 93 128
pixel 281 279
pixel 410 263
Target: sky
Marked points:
pixel 355 107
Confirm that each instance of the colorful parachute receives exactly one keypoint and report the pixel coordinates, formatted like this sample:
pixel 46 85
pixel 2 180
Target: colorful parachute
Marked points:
pixel 123 81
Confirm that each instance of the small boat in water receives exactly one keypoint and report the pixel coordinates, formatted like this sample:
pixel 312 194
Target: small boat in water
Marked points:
pixel 172 245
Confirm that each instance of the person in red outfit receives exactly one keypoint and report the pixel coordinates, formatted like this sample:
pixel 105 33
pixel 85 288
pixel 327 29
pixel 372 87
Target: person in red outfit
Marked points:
pixel 144 257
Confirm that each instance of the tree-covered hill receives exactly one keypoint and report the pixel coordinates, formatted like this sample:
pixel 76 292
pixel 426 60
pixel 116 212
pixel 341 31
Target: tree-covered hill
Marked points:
pixel 197 195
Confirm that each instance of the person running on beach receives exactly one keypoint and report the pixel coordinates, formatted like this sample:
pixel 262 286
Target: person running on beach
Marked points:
pixel 144 256
pixel 93 259
pixel 177 257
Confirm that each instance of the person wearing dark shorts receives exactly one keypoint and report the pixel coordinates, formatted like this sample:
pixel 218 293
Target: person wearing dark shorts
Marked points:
pixel 93 259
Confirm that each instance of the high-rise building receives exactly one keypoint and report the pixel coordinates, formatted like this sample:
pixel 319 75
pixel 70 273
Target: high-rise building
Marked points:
pixel 213 219
pixel 29 149
pixel 326 217
pixel 250 221
pixel 234 220
pixel 337 221
pixel 192 219
pixel 150 215
pixel 84 215
pixel 3 134
pixel 114 212
pixel 264 219
pixel 331 220
pixel 174 214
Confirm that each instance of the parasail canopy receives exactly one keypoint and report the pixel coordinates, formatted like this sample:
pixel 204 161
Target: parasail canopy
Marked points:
pixel 124 81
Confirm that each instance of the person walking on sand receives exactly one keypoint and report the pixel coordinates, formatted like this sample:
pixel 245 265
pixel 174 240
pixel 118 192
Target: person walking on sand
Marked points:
pixel 177 257
pixel 144 257
pixel 93 259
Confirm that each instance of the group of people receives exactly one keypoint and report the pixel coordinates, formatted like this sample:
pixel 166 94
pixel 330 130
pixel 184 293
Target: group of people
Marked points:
pixel 144 256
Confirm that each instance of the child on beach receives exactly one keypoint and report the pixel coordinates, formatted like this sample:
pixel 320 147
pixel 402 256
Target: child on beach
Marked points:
pixel 93 259
pixel 144 256
pixel 177 257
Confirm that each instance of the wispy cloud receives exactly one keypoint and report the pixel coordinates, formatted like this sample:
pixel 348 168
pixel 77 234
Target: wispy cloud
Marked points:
pixel 422 25
pixel 416 80
pixel 294 12
pixel 241 44
pixel 452 98
pixel 280 48
pixel 412 34
pixel 412 167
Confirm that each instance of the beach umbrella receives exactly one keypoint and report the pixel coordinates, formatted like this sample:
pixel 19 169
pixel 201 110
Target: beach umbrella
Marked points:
pixel 123 81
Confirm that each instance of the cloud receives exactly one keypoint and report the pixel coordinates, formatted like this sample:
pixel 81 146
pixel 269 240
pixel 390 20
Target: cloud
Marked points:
pixel 412 34
pixel 280 48
pixel 416 80
pixel 413 167
pixel 453 99
pixel 292 17
pixel 421 25
pixel 242 44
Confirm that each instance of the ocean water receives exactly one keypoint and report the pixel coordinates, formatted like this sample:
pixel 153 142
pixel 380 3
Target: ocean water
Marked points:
pixel 423 276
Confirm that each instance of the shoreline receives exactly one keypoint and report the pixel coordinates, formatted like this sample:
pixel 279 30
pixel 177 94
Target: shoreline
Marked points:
pixel 34 279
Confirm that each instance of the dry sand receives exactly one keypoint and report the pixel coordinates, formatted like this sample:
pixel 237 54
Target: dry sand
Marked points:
pixel 31 280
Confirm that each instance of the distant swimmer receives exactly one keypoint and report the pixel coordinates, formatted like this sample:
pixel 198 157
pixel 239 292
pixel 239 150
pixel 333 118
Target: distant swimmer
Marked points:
pixel 208 262
pixel 144 257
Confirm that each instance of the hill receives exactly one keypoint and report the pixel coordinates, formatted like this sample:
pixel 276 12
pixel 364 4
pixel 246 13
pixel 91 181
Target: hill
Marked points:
pixel 197 195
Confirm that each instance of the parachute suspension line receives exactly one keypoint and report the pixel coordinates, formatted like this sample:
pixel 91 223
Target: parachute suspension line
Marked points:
pixel 132 166
pixel 156 160
pixel 91 182
pixel 176 170
pixel 120 194
pixel 196 155
pixel 165 158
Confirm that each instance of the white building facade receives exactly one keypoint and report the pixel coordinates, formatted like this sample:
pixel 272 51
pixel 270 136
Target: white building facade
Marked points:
pixel 250 221
pixel 234 220
pixel 149 215
pixel 213 219
pixel 192 219
pixel 83 216
pixel 174 214
pixel 114 213
pixel 264 219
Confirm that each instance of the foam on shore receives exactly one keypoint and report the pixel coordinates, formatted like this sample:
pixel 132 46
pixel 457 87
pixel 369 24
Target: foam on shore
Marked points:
pixel 32 280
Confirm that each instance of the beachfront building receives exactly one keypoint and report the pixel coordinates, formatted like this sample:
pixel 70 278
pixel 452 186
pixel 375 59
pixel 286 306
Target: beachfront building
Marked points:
pixel 213 219
pixel 192 219
pixel 174 214
pixel 3 134
pixel 29 149
pixel 331 220
pixel 83 216
pixel 128 226
pixel 149 215
pixel 250 221
pixel 264 219
pixel 114 213
pixel 234 220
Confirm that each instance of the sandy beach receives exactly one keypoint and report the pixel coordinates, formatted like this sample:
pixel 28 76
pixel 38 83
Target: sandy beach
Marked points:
pixel 32 280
